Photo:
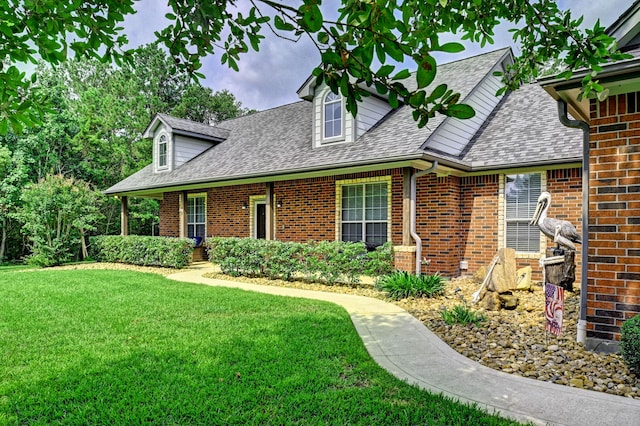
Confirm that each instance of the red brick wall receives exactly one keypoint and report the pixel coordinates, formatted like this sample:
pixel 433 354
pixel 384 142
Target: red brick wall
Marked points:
pixel 457 218
pixel 614 215
pixel 308 209
pixel 169 218
pixel 479 220
pixel 438 223
pixel 225 215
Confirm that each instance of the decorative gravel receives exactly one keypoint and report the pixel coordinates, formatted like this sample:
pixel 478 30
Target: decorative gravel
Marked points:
pixel 514 341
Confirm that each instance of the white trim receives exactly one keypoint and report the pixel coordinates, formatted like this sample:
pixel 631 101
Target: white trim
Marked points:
pixel 338 99
pixel 362 181
pixel 156 151
pixel 193 196
pixel 502 208
pixel 253 201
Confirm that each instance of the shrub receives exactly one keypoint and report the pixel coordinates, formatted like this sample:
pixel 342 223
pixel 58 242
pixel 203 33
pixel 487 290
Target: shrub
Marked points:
pixel 402 284
pixel 460 314
pixel 329 261
pixel 140 250
pixel 630 343
pixel 380 260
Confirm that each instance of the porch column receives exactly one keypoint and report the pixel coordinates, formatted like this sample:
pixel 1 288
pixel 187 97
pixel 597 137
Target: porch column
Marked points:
pixel 124 215
pixel 183 209
pixel 269 211
pixel 406 206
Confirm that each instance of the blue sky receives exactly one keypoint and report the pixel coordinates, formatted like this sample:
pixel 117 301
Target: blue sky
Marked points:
pixel 271 77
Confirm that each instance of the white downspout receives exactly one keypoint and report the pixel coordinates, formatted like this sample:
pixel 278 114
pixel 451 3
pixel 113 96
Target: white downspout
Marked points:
pixel 414 234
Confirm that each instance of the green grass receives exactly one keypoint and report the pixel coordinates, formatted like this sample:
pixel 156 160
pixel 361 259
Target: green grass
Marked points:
pixel 116 347
pixel 11 267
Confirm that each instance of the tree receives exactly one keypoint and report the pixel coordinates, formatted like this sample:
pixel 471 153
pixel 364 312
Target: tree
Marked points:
pixel 201 104
pixel 56 214
pixel 12 179
pixel 406 31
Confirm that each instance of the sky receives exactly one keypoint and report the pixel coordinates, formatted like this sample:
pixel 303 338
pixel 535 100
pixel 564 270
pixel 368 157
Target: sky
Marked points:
pixel 271 77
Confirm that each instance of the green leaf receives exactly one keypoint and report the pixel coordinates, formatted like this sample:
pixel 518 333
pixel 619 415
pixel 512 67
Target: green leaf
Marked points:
pixel 451 47
pixel 4 126
pixel 426 71
pixel 393 100
pixel 461 111
pixel 404 74
pixel 280 24
pixel 311 17
pixel 385 71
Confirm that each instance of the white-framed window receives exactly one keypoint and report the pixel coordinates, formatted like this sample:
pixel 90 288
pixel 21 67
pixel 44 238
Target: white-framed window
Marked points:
pixel 364 212
pixel 333 116
pixel 521 192
pixel 196 215
pixel 163 148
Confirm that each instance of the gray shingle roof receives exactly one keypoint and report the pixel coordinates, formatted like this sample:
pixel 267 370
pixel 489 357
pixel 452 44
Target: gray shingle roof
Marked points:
pixel 180 125
pixel 524 130
pixel 279 140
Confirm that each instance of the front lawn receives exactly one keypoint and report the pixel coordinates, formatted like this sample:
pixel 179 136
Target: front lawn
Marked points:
pixel 117 347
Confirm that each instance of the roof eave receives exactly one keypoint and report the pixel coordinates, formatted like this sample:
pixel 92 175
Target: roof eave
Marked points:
pixel 568 89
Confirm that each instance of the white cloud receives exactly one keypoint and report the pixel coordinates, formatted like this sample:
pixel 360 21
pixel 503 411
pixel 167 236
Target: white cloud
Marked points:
pixel 270 78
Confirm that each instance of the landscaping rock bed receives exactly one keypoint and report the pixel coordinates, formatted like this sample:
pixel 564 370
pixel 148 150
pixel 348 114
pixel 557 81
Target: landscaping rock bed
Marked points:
pixel 510 341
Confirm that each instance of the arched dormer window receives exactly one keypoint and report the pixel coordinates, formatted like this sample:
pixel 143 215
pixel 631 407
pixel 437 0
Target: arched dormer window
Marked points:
pixel 333 116
pixel 162 151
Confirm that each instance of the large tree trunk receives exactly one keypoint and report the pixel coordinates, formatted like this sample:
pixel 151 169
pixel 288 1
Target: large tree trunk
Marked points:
pixel 85 252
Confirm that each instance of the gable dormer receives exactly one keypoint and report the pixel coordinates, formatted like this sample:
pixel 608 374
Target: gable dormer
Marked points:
pixel 176 141
pixel 332 124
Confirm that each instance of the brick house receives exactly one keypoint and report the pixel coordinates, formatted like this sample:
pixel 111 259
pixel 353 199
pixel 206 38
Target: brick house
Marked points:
pixel 612 163
pixel 453 192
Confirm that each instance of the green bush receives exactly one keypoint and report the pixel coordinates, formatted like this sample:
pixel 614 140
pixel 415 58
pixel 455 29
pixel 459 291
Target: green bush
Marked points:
pixel 329 261
pixel 402 284
pixel 140 250
pixel 380 261
pixel 630 343
pixel 460 314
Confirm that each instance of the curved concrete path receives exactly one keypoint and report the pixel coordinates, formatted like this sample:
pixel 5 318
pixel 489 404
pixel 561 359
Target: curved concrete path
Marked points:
pixel 407 349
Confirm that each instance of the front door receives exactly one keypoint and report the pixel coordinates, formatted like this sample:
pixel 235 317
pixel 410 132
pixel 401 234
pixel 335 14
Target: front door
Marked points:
pixel 261 221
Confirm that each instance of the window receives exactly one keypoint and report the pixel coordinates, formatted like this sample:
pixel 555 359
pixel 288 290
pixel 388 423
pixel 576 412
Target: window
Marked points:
pixel 365 213
pixel 521 194
pixel 332 116
pixel 196 216
pixel 162 151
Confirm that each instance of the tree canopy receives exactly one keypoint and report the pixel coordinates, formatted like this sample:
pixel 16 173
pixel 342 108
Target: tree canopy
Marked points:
pixel 355 47
pixel 90 136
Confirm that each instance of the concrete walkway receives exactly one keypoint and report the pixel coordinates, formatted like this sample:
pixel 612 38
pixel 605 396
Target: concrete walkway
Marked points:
pixel 406 348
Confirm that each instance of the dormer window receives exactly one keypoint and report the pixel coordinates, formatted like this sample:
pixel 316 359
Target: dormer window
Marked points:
pixel 333 116
pixel 162 151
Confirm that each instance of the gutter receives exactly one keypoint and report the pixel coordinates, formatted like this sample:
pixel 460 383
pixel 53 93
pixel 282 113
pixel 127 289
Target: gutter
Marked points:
pixel 577 124
pixel 414 234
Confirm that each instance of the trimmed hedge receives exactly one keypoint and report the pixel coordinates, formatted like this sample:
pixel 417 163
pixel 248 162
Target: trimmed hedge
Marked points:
pixel 140 250
pixel 328 261
pixel 630 343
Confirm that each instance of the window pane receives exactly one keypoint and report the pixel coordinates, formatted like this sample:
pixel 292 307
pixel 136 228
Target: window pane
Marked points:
pixel 522 237
pixel 352 202
pixel 332 116
pixel 352 232
pixel 376 233
pixel 521 196
pixel 376 201
pixel 196 216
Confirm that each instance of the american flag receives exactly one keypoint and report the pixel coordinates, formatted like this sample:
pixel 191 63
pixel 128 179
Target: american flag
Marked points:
pixel 554 308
